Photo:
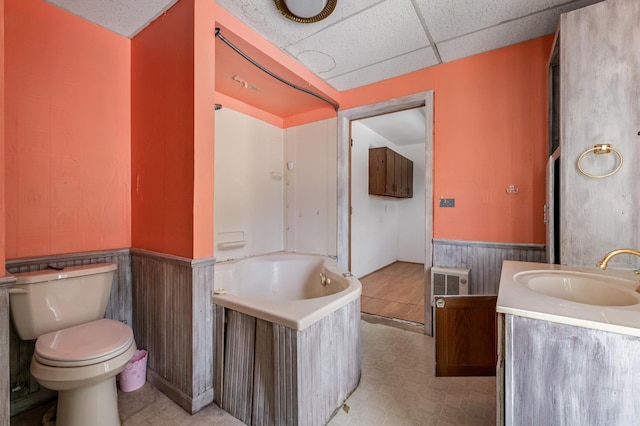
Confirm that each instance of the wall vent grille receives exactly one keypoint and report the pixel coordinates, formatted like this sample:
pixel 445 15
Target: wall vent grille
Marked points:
pixel 449 282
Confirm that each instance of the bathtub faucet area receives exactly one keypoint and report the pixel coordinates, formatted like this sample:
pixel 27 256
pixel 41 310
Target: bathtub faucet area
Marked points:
pixel 324 280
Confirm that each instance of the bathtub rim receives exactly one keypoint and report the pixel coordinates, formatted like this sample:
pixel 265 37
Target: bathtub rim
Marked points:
pixel 294 314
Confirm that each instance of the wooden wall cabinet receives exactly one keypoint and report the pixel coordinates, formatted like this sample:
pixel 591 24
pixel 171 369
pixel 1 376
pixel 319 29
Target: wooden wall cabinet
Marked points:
pixel 390 174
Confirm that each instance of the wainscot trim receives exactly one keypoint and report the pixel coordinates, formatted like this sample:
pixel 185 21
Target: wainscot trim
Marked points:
pixel 173 320
pixel 6 281
pixel 489 244
pixel 484 259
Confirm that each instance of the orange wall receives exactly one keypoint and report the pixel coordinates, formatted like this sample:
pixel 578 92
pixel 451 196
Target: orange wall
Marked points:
pixel 204 132
pixel 490 129
pixel 162 131
pixel 67 133
pixel 109 142
pixel 491 132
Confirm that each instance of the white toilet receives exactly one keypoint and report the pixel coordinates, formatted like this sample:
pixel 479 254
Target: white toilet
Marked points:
pixel 78 353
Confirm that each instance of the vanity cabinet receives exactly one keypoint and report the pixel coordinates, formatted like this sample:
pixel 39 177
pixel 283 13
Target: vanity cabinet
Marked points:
pixel 594 92
pixel 557 374
pixel 567 358
pixel 390 174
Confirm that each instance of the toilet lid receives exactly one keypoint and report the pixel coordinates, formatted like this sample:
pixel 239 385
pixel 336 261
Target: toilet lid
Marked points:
pixel 84 344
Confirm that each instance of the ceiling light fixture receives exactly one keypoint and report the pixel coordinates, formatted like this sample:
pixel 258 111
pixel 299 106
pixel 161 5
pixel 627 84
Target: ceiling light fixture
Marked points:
pixel 306 11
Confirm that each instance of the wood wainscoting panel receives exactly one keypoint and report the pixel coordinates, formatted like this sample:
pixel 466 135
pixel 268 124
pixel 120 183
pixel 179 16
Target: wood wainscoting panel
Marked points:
pixel 28 393
pixel 119 307
pixel 484 259
pixel 599 58
pixel 239 365
pixel 219 327
pixel 328 359
pixel 173 321
pixel 264 404
pixel 274 375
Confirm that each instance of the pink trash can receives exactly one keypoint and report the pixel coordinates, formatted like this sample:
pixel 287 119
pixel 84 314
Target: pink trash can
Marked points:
pixel 135 372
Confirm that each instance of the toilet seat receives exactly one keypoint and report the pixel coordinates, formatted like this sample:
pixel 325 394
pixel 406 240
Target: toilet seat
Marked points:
pixel 85 344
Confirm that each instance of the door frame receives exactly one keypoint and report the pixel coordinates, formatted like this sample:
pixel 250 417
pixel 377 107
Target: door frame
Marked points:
pixel 344 180
pixel 551 224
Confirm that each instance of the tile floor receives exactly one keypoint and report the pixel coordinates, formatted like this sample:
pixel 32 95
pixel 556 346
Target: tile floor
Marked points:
pixel 395 291
pixel 397 388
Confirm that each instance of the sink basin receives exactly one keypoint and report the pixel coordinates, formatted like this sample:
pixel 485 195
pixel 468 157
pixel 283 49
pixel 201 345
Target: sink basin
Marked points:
pixel 590 289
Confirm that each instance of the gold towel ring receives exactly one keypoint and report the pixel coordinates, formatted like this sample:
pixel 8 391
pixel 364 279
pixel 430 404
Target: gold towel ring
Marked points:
pixel 600 149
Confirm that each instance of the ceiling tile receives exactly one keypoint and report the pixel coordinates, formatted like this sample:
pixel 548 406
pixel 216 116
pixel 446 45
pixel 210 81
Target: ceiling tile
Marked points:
pixel 413 61
pixel 447 19
pixel 264 18
pixel 363 41
pixel 390 29
pixel 511 32
pixel 124 17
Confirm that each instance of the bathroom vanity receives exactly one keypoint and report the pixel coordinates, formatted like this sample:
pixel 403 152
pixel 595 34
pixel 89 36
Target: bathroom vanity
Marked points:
pixel 568 345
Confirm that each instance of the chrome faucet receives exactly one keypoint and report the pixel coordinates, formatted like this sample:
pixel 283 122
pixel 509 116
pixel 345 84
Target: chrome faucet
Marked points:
pixel 607 257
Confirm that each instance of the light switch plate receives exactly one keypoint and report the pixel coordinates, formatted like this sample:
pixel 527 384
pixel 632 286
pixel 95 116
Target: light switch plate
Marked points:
pixel 447 202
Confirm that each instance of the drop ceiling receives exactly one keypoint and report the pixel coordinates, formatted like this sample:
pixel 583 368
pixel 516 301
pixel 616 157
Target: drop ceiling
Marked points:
pixel 364 41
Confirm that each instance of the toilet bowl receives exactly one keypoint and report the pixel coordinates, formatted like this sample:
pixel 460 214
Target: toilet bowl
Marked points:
pixel 77 352
pixel 81 363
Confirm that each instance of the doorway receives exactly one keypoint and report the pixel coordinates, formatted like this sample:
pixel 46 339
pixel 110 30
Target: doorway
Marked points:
pixel 423 99
pixel 387 232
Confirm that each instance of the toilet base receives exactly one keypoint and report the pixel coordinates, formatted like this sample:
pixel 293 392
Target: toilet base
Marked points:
pixel 95 405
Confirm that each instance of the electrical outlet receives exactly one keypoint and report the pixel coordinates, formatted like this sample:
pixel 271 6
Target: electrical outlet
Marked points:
pixel 447 202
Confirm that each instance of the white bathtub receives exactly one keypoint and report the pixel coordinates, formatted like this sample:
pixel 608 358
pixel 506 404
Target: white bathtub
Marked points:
pixel 284 288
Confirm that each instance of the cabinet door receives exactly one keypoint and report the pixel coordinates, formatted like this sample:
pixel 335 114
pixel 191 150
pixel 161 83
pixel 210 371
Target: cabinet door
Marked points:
pixel 391 187
pixel 558 374
pixel 465 335
pixel 409 179
pixel 377 171
pixel 400 166
pixel 406 178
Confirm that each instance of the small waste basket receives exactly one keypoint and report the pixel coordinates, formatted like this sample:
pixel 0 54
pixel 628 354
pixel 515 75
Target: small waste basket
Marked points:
pixel 135 372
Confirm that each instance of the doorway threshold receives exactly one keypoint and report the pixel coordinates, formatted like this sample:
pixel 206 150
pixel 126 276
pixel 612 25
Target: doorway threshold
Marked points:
pixel 393 322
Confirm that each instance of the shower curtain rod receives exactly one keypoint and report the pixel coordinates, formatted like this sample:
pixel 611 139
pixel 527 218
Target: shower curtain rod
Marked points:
pixel 280 79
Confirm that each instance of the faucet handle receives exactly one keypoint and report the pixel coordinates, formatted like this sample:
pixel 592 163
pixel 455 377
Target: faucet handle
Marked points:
pixel 324 280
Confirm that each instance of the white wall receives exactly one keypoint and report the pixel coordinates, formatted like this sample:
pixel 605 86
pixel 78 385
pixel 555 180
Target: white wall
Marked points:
pixel 384 229
pixel 311 187
pixel 411 214
pixel 249 185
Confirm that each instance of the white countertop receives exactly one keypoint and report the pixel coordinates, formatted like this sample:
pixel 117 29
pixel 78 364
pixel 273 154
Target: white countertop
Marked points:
pixel 516 299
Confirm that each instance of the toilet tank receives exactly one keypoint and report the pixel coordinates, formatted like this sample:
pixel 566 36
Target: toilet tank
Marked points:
pixel 50 300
